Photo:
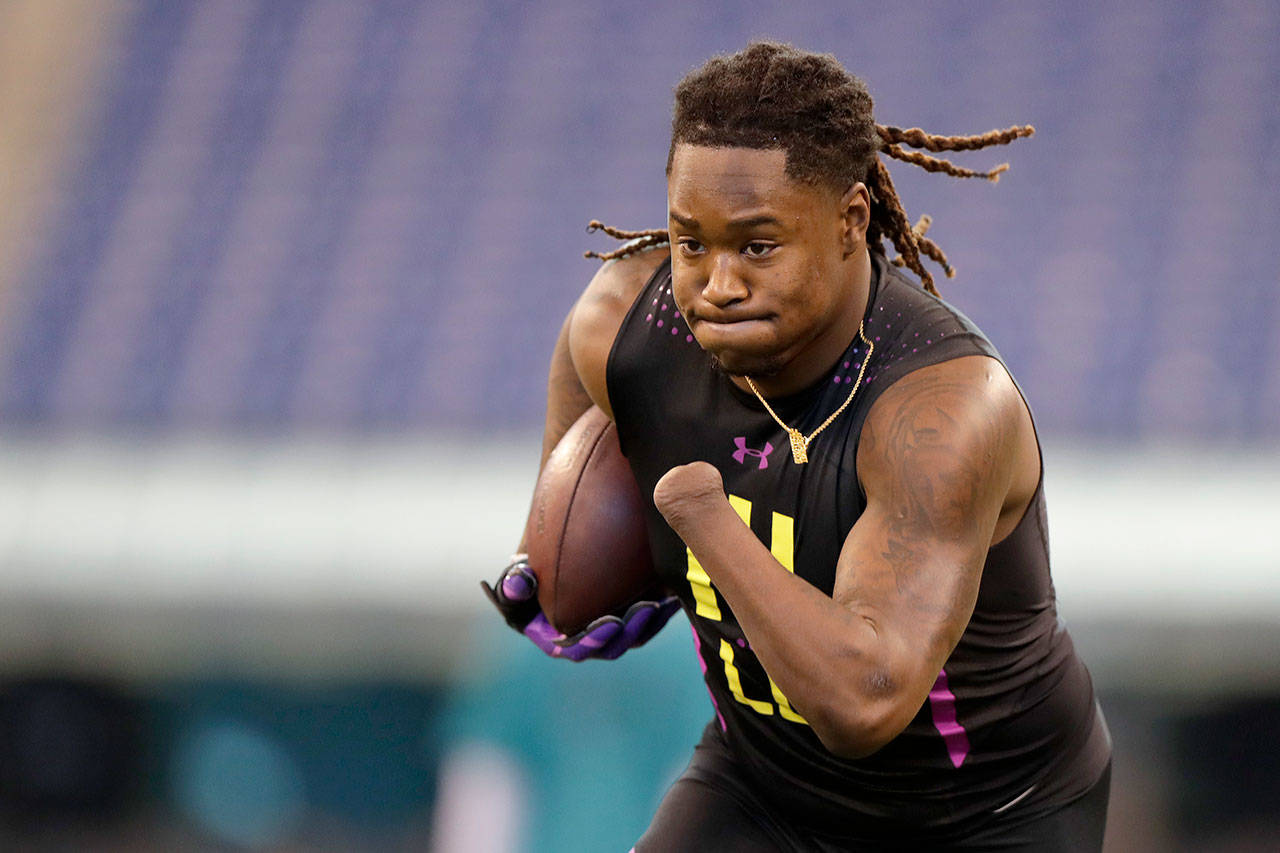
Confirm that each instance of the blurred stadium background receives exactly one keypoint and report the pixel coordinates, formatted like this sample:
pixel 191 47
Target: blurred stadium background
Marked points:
pixel 278 283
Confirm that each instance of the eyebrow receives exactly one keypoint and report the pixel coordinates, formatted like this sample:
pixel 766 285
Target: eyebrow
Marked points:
pixel 735 224
pixel 686 221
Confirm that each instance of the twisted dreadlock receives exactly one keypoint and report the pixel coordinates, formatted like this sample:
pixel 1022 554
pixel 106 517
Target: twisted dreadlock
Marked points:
pixel 772 95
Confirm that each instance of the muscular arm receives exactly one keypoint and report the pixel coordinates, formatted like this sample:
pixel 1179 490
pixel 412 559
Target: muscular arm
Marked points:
pixel 567 399
pixel 576 378
pixel 942 459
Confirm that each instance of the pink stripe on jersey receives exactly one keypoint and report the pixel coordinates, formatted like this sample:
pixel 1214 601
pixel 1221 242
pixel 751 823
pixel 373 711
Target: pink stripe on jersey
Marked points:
pixel 697 647
pixel 942 702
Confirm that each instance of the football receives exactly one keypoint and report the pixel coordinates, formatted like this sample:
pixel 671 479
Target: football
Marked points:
pixel 586 536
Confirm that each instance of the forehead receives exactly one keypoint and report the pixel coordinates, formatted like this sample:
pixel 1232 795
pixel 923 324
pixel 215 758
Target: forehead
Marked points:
pixel 705 179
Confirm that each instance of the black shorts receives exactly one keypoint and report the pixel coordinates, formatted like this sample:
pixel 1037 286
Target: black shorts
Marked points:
pixel 711 808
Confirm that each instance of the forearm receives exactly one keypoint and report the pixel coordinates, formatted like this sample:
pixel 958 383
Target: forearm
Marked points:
pixel 567 399
pixel 832 664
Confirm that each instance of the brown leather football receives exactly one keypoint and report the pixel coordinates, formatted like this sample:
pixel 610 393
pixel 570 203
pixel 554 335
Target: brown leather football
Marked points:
pixel 586 535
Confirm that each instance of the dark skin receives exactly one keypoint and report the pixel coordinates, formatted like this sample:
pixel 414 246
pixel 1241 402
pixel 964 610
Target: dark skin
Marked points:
pixel 772 284
pixel 773 277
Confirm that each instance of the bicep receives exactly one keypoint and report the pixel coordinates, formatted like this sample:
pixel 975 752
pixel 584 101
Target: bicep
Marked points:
pixel 935 460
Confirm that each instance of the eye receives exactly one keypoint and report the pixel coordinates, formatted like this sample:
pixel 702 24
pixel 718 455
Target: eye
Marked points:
pixel 689 246
pixel 758 249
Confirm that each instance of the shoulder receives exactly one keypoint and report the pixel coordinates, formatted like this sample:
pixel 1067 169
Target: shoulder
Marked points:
pixel 957 432
pixel 927 355
pixel 959 392
pixel 613 289
pixel 599 313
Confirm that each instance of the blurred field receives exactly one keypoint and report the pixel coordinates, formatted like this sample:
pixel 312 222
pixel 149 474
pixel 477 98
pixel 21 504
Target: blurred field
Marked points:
pixel 278 282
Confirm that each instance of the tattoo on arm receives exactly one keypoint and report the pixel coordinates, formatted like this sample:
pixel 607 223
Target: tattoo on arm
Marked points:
pixel 937 454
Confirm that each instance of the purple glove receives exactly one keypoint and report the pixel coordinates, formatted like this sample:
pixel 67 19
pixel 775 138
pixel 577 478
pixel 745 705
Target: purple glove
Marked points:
pixel 515 596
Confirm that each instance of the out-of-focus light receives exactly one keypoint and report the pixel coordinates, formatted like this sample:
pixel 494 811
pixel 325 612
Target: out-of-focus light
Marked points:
pixel 237 784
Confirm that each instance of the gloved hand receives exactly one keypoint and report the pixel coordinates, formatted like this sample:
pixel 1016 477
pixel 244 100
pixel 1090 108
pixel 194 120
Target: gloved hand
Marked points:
pixel 515 596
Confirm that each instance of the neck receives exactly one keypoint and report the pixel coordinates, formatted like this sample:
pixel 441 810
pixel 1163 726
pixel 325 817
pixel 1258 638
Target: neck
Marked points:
pixel 821 353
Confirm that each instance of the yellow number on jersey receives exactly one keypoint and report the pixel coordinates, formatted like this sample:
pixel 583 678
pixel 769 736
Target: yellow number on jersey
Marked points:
pixel 706 605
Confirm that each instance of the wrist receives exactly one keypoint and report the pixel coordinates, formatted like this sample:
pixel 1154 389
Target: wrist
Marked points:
pixel 687 494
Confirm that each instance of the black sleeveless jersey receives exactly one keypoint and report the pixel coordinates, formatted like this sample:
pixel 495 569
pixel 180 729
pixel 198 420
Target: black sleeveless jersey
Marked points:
pixel 1012 714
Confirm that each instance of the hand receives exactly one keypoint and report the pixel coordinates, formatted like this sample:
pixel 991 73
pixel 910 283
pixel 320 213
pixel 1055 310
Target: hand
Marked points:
pixel 607 637
pixel 515 596
pixel 515 593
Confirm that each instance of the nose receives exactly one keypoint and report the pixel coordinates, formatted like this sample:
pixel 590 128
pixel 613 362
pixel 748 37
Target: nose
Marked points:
pixel 724 286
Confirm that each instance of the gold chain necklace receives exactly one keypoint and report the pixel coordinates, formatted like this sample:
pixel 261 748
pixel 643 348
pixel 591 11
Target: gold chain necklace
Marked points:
pixel 799 442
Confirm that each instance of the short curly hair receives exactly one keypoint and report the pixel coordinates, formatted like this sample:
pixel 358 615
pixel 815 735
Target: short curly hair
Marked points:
pixel 773 95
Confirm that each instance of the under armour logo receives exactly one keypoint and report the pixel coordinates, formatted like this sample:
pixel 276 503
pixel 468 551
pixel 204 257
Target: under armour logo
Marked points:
pixel 740 455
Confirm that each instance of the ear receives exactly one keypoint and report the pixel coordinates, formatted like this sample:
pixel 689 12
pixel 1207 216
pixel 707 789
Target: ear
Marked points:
pixel 855 216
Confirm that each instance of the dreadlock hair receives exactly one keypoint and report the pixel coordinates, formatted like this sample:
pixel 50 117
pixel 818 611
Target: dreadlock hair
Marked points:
pixel 772 95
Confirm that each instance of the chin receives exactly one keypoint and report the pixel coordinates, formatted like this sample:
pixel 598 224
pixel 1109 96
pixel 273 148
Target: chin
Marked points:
pixel 737 364
pixel 756 357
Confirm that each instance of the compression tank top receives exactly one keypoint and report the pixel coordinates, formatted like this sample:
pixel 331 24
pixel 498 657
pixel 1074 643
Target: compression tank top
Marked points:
pixel 1012 713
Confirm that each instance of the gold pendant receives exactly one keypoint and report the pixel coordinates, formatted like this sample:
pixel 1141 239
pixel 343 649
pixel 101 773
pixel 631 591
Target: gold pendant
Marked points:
pixel 799 446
